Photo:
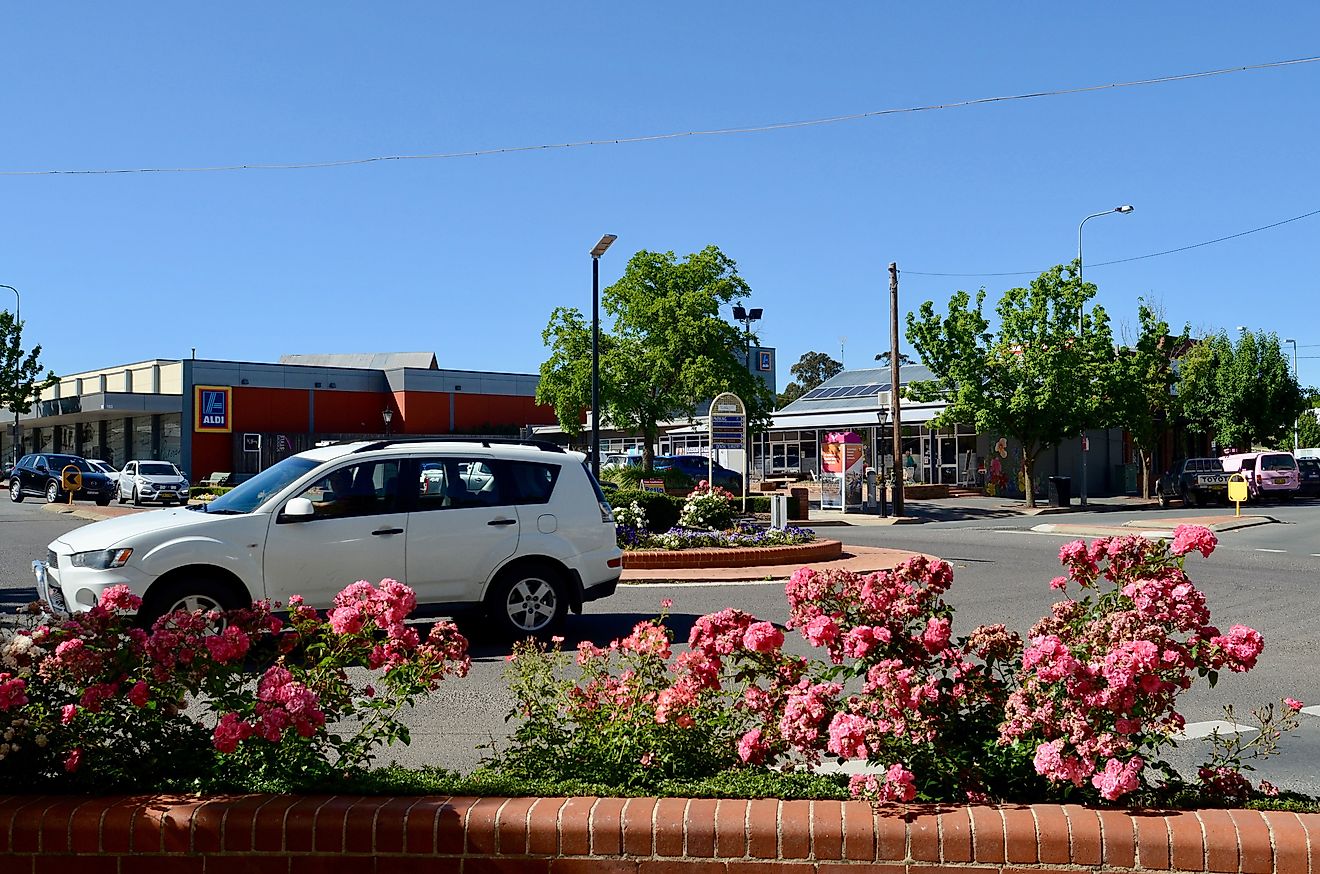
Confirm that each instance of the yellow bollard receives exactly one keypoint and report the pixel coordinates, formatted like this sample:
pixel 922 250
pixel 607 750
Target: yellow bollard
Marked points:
pixel 1237 491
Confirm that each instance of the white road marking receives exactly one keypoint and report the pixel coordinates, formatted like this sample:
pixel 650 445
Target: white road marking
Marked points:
pixel 1311 711
pixel 1193 730
pixel 1259 549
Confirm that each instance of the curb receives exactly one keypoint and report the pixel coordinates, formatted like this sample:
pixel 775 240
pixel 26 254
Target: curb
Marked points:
pixel 397 834
pixel 759 556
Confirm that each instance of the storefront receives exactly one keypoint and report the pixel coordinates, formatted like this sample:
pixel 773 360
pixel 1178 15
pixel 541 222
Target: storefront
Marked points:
pixel 239 417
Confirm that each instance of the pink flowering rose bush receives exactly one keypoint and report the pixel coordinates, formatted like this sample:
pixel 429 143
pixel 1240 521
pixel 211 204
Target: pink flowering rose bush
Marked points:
pixel 99 702
pixel 1097 690
pixel 631 713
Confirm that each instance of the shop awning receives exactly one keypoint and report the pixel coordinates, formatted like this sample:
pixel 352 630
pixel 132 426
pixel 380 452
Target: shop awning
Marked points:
pixel 849 419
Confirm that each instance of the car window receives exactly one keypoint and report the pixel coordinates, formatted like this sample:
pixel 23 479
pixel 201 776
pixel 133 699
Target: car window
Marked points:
pixel 456 483
pixel 1277 462
pixel 249 495
pixel 531 481
pixel 366 489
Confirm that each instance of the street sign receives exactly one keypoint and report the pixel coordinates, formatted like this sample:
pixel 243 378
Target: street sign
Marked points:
pixel 728 430
pixel 251 442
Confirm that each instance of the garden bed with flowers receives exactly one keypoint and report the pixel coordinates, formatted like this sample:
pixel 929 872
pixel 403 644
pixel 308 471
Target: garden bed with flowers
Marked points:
pixel 1080 711
pixel 710 535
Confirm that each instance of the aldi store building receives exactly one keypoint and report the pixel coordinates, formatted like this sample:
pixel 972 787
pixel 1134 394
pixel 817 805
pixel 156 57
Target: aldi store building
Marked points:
pixel 212 416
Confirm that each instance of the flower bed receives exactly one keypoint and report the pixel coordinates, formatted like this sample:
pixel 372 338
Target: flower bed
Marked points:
pixel 1078 712
pixel 741 537
pixel 752 556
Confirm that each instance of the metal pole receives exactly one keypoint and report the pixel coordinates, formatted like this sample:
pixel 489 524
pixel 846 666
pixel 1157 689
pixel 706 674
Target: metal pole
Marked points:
pixel 1296 379
pixel 895 411
pixel 595 367
pixel 1082 492
pixel 17 317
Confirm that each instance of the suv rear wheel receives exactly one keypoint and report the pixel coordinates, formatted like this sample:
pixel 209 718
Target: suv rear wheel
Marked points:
pixel 528 599
pixel 52 492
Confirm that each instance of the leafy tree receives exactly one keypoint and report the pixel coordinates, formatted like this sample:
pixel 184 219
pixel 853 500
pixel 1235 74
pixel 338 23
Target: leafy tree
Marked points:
pixel 1037 378
pixel 1243 394
pixel 903 359
pixel 811 370
pixel 1308 424
pixel 1143 400
pixel 668 350
pixel 21 379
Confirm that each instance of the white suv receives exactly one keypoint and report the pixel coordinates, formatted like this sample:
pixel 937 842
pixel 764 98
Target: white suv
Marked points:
pixel 518 530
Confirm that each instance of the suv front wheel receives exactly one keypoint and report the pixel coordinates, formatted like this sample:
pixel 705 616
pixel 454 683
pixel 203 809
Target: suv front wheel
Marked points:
pixel 528 599
pixel 52 492
pixel 15 490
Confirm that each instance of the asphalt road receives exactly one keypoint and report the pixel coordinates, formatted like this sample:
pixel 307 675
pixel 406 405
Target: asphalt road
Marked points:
pixel 1265 577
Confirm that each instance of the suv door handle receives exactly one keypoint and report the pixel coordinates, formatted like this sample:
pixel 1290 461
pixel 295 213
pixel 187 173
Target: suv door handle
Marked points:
pixel 387 531
pixel 502 522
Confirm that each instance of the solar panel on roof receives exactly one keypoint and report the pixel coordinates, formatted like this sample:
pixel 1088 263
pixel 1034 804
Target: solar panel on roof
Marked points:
pixel 812 395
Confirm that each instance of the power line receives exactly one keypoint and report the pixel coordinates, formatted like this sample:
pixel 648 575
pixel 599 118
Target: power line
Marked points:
pixel 614 141
pixel 1295 218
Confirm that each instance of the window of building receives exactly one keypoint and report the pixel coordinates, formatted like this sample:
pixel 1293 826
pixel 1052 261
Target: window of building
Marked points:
pixel 142 437
pixel 115 451
pixel 171 442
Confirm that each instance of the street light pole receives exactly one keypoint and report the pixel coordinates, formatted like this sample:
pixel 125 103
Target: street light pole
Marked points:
pixel 1296 379
pixel 596 252
pixel 746 316
pixel 1122 210
pixel 18 305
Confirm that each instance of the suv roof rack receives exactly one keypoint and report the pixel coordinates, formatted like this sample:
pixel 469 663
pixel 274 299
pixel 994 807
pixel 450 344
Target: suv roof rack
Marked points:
pixel 543 445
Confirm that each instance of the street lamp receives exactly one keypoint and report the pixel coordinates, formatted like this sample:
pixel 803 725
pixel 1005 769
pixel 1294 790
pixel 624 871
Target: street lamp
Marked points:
pixel 1297 379
pixel 18 304
pixel 1122 210
pixel 388 415
pixel 747 317
pixel 596 252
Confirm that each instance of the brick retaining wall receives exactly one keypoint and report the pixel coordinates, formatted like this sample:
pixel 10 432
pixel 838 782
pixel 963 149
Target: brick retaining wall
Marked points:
pixel 370 835
pixel 799 553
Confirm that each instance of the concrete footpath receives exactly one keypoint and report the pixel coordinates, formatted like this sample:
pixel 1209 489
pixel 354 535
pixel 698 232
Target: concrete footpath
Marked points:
pixel 858 559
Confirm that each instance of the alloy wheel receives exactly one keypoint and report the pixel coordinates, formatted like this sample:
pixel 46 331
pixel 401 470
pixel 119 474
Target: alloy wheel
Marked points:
pixel 531 604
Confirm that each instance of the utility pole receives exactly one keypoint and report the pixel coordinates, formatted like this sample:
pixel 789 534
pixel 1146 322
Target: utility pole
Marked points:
pixel 895 411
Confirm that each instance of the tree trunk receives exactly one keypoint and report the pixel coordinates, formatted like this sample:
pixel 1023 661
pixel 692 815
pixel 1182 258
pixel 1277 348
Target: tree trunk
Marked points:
pixel 1028 474
pixel 648 447
pixel 1144 456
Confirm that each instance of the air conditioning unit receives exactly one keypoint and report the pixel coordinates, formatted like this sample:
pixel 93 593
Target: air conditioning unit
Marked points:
pixel 885 399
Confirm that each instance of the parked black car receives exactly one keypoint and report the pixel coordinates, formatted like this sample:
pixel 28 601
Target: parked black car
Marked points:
pixel 1193 481
pixel 41 474
pixel 1308 470
pixel 695 466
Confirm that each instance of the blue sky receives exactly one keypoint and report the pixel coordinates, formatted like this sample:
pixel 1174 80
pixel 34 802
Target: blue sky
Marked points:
pixel 466 257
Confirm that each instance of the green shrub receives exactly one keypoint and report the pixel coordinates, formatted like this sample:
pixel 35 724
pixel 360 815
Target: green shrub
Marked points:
pixel 198 491
pixel 631 477
pixel 661 510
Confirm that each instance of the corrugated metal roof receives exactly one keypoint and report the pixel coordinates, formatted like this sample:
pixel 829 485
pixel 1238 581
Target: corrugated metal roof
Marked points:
pixel 366 360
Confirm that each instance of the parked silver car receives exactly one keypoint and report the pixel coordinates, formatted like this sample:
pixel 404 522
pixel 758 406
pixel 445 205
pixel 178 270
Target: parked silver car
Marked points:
pixel 152 481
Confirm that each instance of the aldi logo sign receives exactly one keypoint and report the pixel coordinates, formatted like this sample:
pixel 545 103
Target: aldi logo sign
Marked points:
pixel 213 409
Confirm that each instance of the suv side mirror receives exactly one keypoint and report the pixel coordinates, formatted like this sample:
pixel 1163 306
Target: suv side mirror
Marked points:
pixel 297 510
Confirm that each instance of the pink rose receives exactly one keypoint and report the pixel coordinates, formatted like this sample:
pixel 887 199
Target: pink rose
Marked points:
pixel 821 631
pixel 763 637
pixel 139 694
pixel 1293 704
pixel 1193 537
pixel 73 760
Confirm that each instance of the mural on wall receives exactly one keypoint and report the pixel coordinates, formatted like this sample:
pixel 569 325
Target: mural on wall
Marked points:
pixel 1003 473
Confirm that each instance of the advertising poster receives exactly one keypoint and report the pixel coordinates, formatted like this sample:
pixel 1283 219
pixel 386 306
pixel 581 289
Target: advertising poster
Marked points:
pixel 842 466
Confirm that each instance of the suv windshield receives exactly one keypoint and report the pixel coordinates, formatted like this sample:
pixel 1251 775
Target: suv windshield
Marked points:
pixel 250 495
pixel 1277 462
pixel 157 468
pixel 59 462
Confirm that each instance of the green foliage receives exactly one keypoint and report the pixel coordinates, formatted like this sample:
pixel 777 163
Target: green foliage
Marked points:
pixel 601 730
pixel 661 510
pixel 21 379
pixel 1035 378
pixel 669 348
pixel 1308 428
pixel 1242 394
pixel 631 477
pixel 1142 399
pixel 198 491
pixel 811 370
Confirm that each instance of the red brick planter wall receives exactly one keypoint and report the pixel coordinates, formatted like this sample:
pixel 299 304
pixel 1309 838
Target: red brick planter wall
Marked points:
pixel 357 835
pixel 801 553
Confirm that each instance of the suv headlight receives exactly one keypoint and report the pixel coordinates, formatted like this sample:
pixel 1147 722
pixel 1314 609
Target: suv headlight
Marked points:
pixel 101 559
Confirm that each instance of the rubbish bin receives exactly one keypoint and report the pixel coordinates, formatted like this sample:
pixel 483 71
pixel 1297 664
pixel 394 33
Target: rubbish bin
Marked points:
pixel 1060 491
pixel 798 505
